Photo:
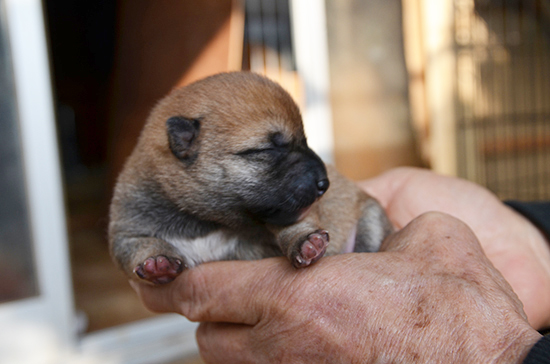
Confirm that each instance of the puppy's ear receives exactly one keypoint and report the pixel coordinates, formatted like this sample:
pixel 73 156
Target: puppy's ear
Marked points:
pixel 182 135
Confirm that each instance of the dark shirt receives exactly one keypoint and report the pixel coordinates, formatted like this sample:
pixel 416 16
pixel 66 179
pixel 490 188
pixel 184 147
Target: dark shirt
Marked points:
pixel 540 353
pixel 539 214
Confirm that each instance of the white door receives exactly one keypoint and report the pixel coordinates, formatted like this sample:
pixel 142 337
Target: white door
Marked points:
pixel 35 308
pixel 38 323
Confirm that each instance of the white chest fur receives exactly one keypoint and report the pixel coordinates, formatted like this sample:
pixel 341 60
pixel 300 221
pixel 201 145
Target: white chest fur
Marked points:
pixel 214 246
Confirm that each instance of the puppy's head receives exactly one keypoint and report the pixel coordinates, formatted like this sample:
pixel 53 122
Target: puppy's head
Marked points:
pixel 232 148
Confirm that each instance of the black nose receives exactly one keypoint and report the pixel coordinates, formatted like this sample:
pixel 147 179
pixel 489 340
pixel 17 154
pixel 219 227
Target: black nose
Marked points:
pixel 322 186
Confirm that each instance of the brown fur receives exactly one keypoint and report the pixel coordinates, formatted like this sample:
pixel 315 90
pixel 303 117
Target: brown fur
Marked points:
pixel 238 144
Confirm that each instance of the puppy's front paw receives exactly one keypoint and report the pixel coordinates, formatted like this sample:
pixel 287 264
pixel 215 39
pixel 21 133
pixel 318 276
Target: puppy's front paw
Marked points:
pixel 312 249
pixel 159 269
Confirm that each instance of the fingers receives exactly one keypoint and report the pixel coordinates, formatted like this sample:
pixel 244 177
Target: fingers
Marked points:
pixel 155 298
pixel 384 186
pixel 232 291
pixel 224 343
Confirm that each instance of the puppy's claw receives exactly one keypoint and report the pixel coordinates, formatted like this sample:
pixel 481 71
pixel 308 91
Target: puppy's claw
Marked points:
pixel 159 269
pixel 312 249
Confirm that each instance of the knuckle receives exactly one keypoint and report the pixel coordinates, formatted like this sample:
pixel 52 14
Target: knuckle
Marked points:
pixel 445 238
pixel 192 298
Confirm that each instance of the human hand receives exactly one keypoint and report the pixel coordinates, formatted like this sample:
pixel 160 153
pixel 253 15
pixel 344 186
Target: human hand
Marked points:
pixel 513 244
pixel 431 297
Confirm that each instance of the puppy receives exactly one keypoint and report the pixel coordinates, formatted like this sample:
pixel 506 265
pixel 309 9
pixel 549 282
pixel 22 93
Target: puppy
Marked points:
pixel 222 170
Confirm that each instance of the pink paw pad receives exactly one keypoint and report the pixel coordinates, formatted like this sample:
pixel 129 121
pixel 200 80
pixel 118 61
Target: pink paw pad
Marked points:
pixel 312 249
pixel 160 269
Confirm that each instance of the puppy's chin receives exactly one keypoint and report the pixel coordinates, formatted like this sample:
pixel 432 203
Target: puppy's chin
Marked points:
pixel 303 213
pixel 284 218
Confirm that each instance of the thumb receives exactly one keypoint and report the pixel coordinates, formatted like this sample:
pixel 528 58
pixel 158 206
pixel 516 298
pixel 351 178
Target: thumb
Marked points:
pixel 213 292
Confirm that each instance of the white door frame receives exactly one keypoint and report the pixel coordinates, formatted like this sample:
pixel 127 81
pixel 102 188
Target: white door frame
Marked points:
pixel 43 329
pixel 45 320
pixel 310 42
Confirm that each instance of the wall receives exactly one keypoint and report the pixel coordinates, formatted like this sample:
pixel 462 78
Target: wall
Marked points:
pixel 369 87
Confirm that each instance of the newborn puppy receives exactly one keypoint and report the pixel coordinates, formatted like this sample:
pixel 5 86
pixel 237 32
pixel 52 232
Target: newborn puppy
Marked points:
pixel 222 170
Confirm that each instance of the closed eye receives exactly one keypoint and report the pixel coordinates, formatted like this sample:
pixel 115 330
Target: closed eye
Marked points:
pixel 255 151
pixel 272 154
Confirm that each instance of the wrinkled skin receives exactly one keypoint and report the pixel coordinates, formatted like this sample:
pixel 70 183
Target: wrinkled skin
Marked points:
pixel 515 246
pixel 432 296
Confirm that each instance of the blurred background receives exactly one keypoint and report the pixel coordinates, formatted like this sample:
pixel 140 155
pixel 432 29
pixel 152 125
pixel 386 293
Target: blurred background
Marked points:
pixel 458 86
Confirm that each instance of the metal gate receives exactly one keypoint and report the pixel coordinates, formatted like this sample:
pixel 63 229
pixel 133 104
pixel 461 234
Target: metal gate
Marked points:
pixel 503 95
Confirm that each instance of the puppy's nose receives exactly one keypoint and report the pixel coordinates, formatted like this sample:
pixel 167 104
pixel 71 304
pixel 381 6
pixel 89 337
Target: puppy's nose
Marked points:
pixel 322 187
